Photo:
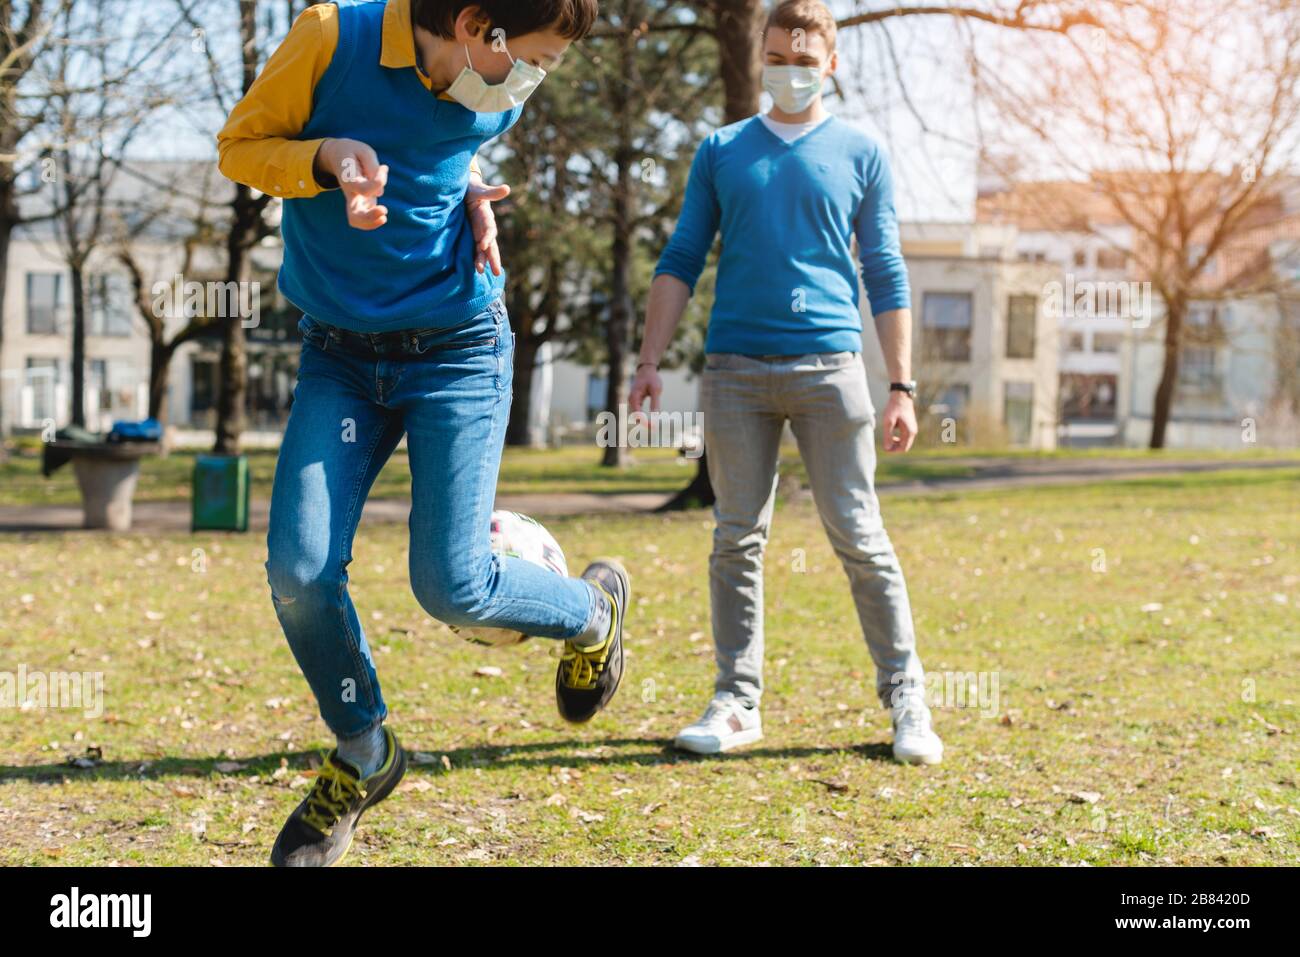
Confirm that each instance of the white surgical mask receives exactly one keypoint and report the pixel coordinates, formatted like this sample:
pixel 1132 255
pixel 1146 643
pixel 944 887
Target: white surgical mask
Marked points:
pixel 475 93
pixel 793 88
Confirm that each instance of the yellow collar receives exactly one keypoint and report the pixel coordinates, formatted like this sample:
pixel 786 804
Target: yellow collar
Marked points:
pixel 398 48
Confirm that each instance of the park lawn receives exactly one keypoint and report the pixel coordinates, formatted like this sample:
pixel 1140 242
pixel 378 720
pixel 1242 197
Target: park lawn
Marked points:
pixel 539 471
pixel 572 468
pixel 1143 635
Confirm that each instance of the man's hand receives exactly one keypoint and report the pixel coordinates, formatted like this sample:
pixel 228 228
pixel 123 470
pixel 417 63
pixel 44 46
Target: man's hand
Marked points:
pixel 646 385
pixel 899 422
pixel 360 176
pixel 478 200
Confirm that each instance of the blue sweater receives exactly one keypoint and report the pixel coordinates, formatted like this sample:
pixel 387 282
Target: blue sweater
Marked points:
pixel 787 283
pixel 417 270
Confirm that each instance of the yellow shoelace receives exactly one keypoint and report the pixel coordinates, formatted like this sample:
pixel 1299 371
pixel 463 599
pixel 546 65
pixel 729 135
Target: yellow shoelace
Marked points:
pixel 330 796
pixel 586 664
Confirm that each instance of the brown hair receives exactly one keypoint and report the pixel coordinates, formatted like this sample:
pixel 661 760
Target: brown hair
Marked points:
pixel 811 16
pixel 571 19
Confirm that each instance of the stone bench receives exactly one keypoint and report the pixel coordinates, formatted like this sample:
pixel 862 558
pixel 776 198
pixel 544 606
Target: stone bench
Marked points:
pixel 107 473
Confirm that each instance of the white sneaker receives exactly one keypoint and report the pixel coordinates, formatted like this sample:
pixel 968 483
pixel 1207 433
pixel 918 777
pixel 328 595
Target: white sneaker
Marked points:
pixel 726 724
pixel 914 740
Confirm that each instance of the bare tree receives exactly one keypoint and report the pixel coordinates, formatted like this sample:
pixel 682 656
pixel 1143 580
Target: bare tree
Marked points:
pixel 247 224
pixel 96 111
pixel 191 221
pixel 1176 121
pixel 24 33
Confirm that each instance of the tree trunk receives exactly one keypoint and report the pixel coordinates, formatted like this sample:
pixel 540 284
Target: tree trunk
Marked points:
pixel 1164 401
pixel 526 347
pixel 8 216
pixel 739 32
pixel 619 328
pixel 78 348
pixel 160 358
pixel 618 332
pixel 233 389
pixel 245 231
pixel 233 368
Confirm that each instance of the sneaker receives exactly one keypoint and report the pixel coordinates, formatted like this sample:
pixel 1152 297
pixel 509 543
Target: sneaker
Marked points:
pixel 319 831
pixel 914 740
pixel 726 724
pixel 588 676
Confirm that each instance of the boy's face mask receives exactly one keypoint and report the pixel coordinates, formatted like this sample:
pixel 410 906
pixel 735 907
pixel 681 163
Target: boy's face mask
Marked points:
pixel 793 88
pixel 475 93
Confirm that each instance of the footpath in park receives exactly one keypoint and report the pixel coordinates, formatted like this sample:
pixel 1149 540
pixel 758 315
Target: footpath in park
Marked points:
pixel 987 473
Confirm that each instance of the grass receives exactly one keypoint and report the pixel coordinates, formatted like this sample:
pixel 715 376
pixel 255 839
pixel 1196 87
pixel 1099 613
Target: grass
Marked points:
pixel 1142 636
pixel 574 468
pixel 547 471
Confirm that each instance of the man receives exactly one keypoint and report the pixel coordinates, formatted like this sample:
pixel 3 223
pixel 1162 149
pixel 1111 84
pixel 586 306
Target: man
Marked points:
pixel 790 191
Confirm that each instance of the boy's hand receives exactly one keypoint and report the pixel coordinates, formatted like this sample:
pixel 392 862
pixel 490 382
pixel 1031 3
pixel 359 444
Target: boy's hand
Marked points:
pixel 478 200
pixel 899 418
pixel 360 176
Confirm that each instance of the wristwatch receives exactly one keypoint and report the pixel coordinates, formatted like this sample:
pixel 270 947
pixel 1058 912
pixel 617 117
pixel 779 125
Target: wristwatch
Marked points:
pixel 909 387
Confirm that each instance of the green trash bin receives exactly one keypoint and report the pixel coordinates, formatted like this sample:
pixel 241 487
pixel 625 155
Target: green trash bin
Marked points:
pixel 220 493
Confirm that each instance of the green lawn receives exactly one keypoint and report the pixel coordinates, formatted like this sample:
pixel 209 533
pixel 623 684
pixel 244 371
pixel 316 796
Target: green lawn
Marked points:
pixel 1143 636
pixel 574 468
pixel 569 469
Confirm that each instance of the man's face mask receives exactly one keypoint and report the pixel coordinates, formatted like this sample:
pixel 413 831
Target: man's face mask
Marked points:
pixel 475 93
pixel 793 88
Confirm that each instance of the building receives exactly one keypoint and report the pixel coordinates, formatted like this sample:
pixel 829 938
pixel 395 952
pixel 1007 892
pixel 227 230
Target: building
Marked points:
pixel 36 330
pixel 1237 360
pixel 984 349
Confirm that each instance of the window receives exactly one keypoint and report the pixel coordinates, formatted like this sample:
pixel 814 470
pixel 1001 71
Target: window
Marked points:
pixel 946 321
pixel 1197 368
pixel 1075 342
pixel 109 303
pixel 951 401
pixel 43 378
pixel 1022 314
pixel 1018 411
pixel 1112 259
pixel 45 303
pixel 1088 397
pixel 1105 342
pixel 1081 258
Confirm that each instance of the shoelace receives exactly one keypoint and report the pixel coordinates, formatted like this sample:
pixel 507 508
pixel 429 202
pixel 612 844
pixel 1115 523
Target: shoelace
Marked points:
pixel 585 666
pixel 330 796
pixel 912 714
pixel 718 710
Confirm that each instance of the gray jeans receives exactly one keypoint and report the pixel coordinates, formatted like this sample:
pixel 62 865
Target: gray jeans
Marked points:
pixel 745 401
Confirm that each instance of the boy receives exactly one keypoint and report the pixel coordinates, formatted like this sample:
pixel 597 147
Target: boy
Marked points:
pixel 366 121
pixel 790 190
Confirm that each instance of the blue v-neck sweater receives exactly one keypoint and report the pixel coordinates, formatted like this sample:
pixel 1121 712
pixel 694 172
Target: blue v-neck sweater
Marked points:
pixel 787 283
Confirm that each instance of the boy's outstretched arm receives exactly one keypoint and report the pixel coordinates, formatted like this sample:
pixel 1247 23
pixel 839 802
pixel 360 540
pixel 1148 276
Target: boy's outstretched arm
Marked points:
pixel 257 146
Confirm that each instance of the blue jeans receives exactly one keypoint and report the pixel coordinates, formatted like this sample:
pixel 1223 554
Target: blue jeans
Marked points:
pixel 449 392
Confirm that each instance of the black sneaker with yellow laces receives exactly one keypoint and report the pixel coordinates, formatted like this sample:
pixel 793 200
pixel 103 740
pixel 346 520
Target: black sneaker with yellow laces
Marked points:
pixel 320 830
pixel 588 676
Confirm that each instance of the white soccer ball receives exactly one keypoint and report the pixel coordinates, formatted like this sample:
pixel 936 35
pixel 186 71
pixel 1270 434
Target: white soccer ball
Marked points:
pixel 517 536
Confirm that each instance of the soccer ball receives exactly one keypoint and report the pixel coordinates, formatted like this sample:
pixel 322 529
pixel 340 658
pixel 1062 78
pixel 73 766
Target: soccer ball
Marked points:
pixel 517 536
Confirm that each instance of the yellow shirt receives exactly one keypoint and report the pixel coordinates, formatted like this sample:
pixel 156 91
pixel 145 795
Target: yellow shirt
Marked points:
pixel 256 147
